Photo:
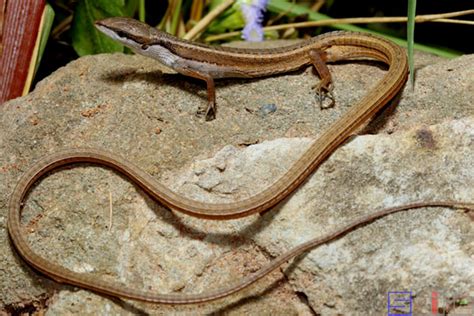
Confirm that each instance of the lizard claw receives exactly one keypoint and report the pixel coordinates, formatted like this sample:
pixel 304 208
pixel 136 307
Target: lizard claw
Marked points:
pixel 208 113
pixel 324 91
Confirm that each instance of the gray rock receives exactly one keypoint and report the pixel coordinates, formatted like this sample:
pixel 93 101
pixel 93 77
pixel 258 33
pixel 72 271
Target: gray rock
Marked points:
pixel 423 150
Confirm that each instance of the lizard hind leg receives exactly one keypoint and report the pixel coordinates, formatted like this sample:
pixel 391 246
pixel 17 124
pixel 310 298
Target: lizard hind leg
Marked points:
pixel 324 88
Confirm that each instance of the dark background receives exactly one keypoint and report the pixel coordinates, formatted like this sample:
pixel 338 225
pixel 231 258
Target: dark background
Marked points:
pixel 458 37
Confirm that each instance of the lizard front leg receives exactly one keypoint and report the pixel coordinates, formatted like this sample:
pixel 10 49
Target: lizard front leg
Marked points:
pixel 209 112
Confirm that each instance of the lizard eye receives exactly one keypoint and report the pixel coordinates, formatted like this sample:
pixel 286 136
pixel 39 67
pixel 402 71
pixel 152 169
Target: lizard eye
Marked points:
pixel 121 34
pixel 145 46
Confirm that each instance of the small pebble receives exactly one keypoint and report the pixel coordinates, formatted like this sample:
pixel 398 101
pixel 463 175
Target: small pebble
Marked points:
pixel 267 109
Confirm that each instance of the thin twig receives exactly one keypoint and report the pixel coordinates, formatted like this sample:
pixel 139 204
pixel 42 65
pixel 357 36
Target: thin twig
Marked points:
pixel 317 5
pixel 455 21
pixel 429 17
pixel 419 19
pixel 62 27
pixel 206 20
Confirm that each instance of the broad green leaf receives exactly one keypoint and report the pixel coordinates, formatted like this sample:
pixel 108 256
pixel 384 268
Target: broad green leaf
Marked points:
pixel 86 39
pixel 230 20
pixel 45 31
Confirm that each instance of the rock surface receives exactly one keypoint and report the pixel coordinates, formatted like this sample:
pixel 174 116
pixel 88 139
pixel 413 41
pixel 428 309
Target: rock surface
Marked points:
pixel 422 149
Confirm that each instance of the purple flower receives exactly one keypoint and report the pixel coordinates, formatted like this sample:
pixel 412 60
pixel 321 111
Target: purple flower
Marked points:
pixel 253 10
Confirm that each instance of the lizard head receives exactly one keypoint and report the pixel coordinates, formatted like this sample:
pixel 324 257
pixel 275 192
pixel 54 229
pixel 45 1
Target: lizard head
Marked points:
pixel 130 32
pixel 140 37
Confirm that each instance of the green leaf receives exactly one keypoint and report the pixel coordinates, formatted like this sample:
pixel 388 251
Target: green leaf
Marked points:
pixel 86 39
pixel 141 10
pixel 230 20
pixel 45 31
pixel 411 39
pixel 175 18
